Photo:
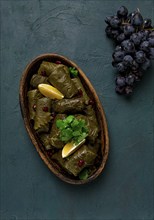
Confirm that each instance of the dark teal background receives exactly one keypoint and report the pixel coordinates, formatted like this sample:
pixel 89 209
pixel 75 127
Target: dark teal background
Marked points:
pixel 29 191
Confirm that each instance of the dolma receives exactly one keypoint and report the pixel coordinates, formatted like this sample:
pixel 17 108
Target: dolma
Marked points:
pixel 68 105
pixel 93 131
pixel 92 116
pixel 85 154
pixel 33 95
pixel 79 86
pixel 89 111
pixel 38 79
pixel 95 147
pixel 55 133
pixel 60 79
pixel 45 139
pixel 46 68
pixel 43 115
pixel 58 157
pixel 92 127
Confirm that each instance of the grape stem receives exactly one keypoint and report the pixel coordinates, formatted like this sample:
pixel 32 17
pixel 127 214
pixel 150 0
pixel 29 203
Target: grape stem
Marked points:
pixel 124 23
pixel 123 20
pixel 149 29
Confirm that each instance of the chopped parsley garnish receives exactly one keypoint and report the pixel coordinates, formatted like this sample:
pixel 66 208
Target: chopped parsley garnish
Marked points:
pixel 72 129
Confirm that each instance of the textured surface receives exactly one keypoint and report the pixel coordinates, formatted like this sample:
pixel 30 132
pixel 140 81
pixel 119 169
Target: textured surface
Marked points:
pixel 74 29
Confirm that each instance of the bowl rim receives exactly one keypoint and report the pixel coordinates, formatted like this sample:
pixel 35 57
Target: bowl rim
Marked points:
pixel 99 107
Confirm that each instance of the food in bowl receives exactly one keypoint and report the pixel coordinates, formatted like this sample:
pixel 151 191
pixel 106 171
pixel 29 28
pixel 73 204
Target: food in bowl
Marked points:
pixel 66 118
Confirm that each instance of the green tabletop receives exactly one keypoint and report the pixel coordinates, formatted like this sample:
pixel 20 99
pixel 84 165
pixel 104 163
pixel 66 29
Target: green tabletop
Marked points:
pixel 75 29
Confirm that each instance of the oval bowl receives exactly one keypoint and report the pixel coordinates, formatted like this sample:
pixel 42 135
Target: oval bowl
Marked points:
pixel 32 68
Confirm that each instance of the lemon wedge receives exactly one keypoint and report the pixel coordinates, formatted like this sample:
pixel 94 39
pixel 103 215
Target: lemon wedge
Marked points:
pixel 50 91
pixel 70 148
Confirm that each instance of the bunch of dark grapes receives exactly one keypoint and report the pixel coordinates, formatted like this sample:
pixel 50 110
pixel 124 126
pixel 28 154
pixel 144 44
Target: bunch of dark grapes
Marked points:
pixel 134 38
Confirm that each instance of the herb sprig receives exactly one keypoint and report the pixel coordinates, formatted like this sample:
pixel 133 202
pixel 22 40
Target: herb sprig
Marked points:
pixel 73 71
pixel 72 129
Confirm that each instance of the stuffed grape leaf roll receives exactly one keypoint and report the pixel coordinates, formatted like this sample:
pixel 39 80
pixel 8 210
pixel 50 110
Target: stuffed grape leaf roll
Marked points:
pixel 45 139
pixel 79 86
pixel 46 68
pixel 38 79
pixel 89 111
pixel 92 127
pixel 68 105
pixel 60 79
pixel 58 157
pixel 85 154
pixel 43 115
pixel 33 95
pixel 55 133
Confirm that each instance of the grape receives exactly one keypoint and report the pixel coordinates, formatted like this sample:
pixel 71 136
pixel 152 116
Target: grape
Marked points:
pixel 122 12
pixel 130 16
pixel 111 33
pixel 128 60
pixel 121 37
pixel 120 90
pixel 118 56
pixel 115 22
pixel 130 79
pixel 135 66
pixel 145 46
pixel 137 20
pixel 128 90
pixel 134 38
pixel 108 31
pixel 128 30
pixel 118 48
pixel 128 46
pixel 121 67
pixel 114 34
pixel 108 19
pixel 120 81
pixel 142 35
pixel 140 56
pixel 147 23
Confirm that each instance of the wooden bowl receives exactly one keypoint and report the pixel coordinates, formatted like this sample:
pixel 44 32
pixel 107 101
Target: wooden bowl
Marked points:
pixel 31 69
